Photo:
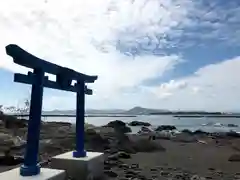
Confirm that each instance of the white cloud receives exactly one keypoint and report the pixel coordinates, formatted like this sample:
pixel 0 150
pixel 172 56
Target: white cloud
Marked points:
pixel 213 87
pixel 83 34
pixel 214 20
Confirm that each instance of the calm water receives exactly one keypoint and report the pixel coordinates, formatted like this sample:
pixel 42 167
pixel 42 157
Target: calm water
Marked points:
pixel 206 124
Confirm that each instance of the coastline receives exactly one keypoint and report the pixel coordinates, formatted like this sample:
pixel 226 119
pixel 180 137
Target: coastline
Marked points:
pixel 160 154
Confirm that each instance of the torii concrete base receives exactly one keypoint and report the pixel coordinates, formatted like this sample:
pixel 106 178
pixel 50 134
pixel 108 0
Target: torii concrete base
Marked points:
pixel 85 168
pixel 45 174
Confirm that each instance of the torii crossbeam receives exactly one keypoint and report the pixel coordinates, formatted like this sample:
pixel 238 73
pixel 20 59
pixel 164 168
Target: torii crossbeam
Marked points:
pixel 38 80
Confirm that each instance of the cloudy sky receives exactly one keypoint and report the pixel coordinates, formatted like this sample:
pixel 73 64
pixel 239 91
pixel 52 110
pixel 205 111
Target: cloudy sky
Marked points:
pixel 170 54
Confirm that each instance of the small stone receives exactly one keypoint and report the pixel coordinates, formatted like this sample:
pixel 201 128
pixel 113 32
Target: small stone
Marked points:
pixel 153 169
pixel 107 167
pixel 113 157
pixel 219 172
pixel 164 173
pixel 237 176
pixel 124 155
pixel 179 176
pixel 196 177
pixel 134 166
pixel 209 177
pixel 123 166
pixel 110 173
pixel 211 169
pixel 131 172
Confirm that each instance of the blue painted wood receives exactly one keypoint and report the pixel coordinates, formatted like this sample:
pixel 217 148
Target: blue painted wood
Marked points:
pixel 80 115
pixel 64 78
pixel 26 59
pixel 28 79
pixel 31 166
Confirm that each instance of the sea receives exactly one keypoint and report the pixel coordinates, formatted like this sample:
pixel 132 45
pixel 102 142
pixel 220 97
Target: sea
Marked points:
pixel 208 124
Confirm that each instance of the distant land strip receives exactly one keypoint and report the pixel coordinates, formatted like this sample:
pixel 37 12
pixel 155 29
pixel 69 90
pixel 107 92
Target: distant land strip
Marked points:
pixel 208 116
pixel 72 115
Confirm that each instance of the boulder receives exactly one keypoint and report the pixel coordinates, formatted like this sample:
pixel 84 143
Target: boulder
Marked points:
pixel 187 131
pixel 163 135
pixel 9 160
pixel 200 132
pixel 8 142
pixel 145 145
pixel 165 127
pixel 11 122
pixel 144 130
pixel 233 134
pixel 139 123
pixel 116 123
pixel 124 143
pixel 119 126
pixel 232 125
pixel 95 141
pixel 183 137
pixel 223 135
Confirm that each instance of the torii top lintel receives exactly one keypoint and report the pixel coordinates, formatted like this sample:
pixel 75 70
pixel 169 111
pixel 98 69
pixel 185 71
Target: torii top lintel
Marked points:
pixel 26 59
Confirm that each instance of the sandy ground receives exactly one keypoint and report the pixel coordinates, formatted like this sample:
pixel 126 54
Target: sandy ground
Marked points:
pixel 197 160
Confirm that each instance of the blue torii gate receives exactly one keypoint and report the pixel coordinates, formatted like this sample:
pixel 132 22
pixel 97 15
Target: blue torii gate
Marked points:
pixel 38 80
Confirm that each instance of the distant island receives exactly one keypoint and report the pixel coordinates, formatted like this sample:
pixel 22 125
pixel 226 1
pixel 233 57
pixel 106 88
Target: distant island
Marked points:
pixel 137 111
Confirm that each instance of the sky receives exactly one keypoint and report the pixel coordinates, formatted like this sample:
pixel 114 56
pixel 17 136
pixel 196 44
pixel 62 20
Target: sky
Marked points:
pixel 166 54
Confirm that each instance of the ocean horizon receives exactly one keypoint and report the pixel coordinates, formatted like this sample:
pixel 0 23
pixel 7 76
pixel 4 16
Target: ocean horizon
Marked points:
pixel 208 124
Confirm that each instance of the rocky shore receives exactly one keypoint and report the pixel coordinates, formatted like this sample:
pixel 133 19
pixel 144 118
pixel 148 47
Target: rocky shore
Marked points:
pixel 163 153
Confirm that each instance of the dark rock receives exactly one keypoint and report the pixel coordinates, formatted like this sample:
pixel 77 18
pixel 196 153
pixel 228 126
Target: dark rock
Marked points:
pixel 234 158
pixel 107 167
pixel 218 135
pixel 11 122
pixel 111 163
pixel 144 145
pixel 185 138
pixel 232 125
pixel 9 160
pixel 123 166
pixel 131 174
pixel 223 135
pixel 200 132
pixel 187 131
pixel 211 169
pixel 153 169
pixel 110 173
pixel 139 123
pixel 95 141
pixel 233 134
pixel 196 177
pixel 164 173
pixel 181 176
pixel 165 127
pixel 116 123
pixel 113 157
pixel 118 155
pixel 134 166
pixel 124 143
pixel 145 129
pixel 124 155
pixel 119 126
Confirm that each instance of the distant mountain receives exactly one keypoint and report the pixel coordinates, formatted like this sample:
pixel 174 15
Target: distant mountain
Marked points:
pixel 105 111
pixel 140 110
pixel 88 111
